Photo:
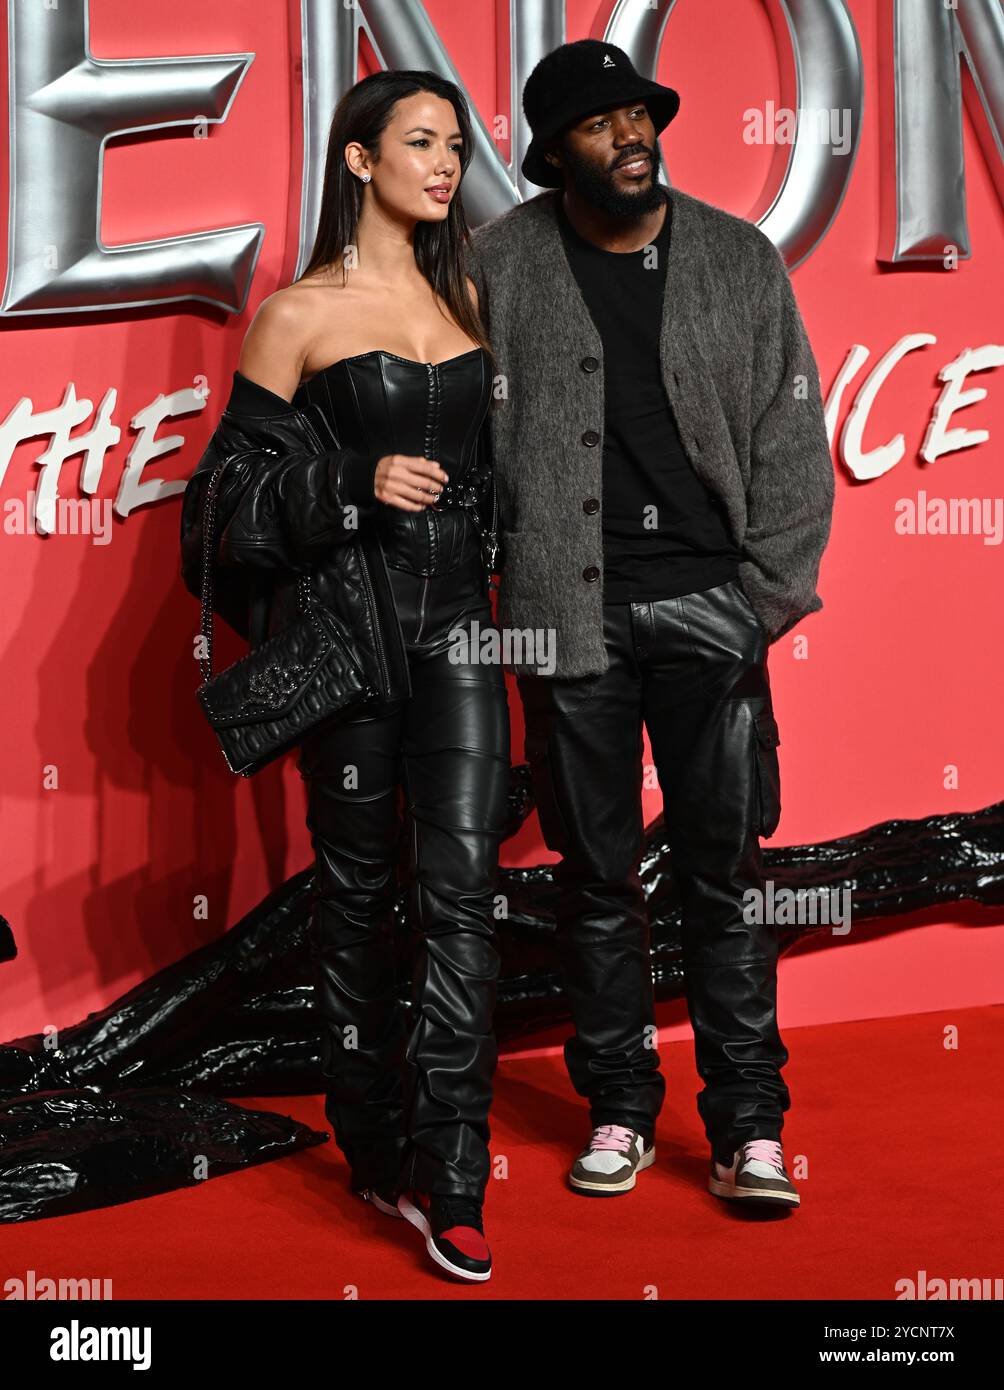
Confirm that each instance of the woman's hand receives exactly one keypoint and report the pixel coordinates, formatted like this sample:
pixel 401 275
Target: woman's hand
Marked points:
pixel 407 482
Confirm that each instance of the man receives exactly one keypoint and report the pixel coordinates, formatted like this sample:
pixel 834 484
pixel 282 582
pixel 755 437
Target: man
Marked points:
pixel 665 487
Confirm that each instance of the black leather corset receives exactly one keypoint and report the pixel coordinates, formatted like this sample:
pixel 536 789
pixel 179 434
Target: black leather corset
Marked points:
pixel 380 404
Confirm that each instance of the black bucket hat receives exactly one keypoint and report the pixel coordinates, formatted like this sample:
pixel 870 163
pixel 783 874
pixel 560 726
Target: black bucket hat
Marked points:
pixel 574 80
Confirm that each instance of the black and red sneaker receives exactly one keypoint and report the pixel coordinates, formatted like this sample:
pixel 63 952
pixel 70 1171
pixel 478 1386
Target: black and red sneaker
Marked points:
pixel 453 1230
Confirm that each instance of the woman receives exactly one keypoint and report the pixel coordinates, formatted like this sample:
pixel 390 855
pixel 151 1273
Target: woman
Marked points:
pixel 382 334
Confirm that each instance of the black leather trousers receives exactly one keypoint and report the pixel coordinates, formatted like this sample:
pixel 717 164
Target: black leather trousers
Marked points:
pixel 693 669
pixel 408 1097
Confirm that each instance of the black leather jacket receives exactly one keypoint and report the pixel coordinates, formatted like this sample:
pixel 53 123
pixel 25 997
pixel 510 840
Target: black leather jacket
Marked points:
pixel 282 510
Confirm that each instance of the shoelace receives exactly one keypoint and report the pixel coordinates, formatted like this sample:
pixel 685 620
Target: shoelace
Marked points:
pixel 459 1211
pixel 766 1151
pixel 615 1137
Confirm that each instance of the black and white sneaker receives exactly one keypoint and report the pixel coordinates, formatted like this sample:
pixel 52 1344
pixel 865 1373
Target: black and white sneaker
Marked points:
pixel 756 1174
pixel 610 1161
pixel 453 1231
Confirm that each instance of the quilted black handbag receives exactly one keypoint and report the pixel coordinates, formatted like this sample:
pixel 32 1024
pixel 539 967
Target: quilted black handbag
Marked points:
pixel 267 701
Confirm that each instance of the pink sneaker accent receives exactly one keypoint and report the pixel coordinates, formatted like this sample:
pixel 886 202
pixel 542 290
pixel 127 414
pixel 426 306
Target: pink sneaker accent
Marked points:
pixel 615 1137
pixel 764 1151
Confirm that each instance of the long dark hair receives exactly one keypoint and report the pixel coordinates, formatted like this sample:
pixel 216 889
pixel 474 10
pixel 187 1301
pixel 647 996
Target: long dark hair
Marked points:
pixel 440 247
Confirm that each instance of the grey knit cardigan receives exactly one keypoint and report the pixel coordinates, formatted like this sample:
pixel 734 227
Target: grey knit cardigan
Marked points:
pixel 742 382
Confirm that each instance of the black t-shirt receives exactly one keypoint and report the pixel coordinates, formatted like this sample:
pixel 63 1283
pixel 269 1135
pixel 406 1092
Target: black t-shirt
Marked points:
pixel 664 532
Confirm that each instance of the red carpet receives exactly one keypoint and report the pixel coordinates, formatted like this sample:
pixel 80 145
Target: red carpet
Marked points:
pixel 898 1132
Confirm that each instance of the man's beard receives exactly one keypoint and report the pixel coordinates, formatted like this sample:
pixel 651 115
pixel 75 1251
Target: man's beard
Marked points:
pixel 597 186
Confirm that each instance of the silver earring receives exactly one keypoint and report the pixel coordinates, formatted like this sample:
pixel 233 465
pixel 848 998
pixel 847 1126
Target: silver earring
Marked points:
pixel 365 178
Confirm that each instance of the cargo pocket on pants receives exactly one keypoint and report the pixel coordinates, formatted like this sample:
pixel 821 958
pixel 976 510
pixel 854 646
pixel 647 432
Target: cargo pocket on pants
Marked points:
pixel 768 772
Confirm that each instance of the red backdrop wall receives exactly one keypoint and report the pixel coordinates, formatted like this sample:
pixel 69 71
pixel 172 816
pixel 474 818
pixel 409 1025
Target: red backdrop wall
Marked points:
pixel 117 810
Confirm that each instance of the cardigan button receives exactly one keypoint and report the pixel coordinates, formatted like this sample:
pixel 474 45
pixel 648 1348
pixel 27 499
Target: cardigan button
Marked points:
pixel 590 364
pixel 591 505
pixel 590 437
pixel 590 574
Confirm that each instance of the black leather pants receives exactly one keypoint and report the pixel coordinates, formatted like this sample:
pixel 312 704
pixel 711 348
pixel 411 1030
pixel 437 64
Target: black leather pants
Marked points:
pixel 694 670
pixel 408 1098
